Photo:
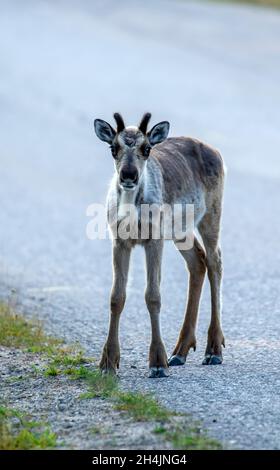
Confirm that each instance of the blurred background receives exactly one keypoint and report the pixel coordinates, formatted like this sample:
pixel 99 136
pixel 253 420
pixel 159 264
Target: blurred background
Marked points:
pixel 213 70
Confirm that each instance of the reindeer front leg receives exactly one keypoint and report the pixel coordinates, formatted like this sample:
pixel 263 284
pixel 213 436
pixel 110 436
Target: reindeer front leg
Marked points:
pixel 111 351
pixel 158 358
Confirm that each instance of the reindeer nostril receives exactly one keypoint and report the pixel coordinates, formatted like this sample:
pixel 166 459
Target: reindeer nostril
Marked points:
pixel 129 174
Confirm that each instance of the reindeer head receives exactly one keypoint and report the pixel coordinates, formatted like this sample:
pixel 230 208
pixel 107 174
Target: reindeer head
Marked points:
pixel 130 146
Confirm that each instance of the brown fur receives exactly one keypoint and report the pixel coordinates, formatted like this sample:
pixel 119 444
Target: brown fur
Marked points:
pixel 180 170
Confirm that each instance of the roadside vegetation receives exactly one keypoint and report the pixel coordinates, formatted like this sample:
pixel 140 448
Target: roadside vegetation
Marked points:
pixel 17 332
pixel 141 407
pixel 190 439
pixel 18 431
pixel 266 3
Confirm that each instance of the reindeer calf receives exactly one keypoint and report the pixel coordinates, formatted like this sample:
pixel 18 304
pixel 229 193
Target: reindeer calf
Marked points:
pixel 151 169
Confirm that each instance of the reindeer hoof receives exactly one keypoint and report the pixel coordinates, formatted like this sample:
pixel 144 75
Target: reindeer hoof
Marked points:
pixel 176 360
pixel 215 360
pixel 212 360
pixel 206 359
pixel 158 372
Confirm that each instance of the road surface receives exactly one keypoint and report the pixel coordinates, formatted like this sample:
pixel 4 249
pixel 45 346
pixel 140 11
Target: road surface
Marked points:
pixel 212 70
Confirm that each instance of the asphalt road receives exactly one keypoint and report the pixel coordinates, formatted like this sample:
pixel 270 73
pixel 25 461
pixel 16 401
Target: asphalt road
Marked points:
pixel 213 70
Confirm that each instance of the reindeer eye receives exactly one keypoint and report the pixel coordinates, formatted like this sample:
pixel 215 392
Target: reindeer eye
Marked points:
pixel 114 150
pixel 146 150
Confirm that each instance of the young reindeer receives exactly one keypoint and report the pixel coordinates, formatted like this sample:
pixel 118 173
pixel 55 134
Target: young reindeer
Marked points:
pixel 153 169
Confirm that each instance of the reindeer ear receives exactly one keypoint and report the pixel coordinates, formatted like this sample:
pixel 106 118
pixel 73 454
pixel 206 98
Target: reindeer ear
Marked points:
pixel 104 131
pixel 158 133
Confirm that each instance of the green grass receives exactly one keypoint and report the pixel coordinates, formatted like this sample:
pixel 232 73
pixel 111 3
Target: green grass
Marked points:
pixel 87 396
pixel 51 371
pixel 267 3
pixel 72 360
pixel 18 332
pixel 141 407
pixel 99 385
pixel 27 435
pixel 185 437
pixel 144 407
pixel 191 439
pixel 160 430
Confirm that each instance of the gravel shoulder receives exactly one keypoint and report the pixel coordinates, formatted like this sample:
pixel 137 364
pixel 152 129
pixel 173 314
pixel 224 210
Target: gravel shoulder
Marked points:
pixel 53 396
pixel 78 423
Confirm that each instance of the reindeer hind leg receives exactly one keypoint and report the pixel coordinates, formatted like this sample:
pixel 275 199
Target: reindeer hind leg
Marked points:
pixel 209 229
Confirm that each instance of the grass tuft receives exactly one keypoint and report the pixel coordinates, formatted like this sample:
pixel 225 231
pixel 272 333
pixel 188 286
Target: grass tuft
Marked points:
pixel 192 440
pixel 187 438
pixel 51 371
pixel 87 396
pixel 159 430
pixel 28 435
pixel 100 385
pixel 141 407
pixel 73 360
pixel 18 332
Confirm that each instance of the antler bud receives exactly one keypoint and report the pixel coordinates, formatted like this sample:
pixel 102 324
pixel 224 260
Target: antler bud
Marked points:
pixel 119 121
pixel 144 122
